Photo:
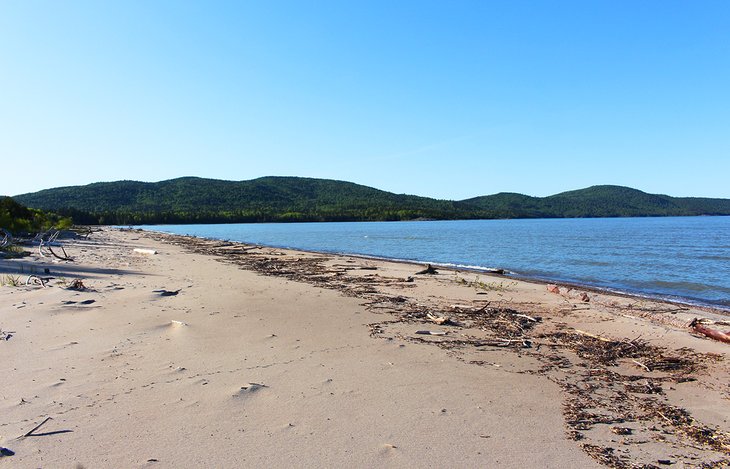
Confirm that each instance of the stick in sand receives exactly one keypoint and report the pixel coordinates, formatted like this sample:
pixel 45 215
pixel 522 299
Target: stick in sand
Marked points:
pixel 30 433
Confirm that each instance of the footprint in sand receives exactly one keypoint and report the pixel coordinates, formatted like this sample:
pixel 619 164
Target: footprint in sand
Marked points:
pixel 249 389
pixel 387 448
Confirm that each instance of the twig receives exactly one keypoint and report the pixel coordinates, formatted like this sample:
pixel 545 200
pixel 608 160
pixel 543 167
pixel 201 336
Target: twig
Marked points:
pixel 642 365
pixel 594 336
pixel 483 308
pixel 30 433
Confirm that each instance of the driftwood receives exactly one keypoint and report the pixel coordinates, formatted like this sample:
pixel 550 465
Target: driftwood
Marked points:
pixel 49 243
pixel 592 336
pixel 711 333
pixel 440 320
pixel 35 280
pixel 642 365
pixel 429 270
pixel 167 292
pixel 504 342
pixel 7 238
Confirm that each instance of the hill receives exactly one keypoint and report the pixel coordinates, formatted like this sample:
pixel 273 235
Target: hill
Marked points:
pixel 599 201
pixel 197 200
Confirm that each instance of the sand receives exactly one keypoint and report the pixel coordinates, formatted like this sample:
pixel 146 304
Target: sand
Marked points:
pixel 276 358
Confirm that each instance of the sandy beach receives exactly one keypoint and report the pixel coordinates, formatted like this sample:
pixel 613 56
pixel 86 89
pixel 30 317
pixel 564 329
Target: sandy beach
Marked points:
pixel 199 353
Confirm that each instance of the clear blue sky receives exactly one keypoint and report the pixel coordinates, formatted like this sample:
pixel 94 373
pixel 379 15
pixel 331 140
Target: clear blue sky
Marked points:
pixel 442 99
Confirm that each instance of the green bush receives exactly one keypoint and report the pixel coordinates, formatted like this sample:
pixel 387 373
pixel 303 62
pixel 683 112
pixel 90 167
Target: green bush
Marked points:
pixel 19 219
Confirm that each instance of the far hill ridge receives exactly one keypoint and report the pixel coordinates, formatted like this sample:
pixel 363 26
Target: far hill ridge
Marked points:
pixel 198 200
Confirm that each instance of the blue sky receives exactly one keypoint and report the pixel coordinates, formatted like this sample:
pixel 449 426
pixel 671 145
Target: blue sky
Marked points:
pixel 442 99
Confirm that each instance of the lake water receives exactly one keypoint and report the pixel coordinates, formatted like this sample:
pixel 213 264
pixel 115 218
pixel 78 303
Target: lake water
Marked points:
pixel 680 258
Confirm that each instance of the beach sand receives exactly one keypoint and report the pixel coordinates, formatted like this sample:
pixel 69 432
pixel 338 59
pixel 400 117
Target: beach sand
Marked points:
pixel 267 357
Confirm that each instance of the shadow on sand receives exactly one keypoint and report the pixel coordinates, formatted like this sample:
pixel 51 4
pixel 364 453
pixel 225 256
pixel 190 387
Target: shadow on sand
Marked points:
pixel 27 266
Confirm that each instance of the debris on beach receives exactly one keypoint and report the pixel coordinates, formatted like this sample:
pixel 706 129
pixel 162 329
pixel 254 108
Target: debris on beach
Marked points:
pixel 149 252
pixel 35 280
pixel 76 284
pixel 32 432
pixel 429 270
pixel 6 452
pixel 697 326
pixel 167 292
pixel 73 303
pixel 440 320
pixel 553 288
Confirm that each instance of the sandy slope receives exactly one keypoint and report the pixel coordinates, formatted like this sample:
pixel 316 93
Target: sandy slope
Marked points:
pixel 241 369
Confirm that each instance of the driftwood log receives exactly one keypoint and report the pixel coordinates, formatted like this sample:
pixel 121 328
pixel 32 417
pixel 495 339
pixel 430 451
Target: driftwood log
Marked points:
pixel 429 270
pixel 711 333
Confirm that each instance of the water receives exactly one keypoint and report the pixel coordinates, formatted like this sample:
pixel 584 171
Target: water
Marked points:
pixel 680 258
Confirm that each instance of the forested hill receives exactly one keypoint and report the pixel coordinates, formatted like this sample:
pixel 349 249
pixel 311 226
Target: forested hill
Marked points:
pixel 196 200
pixel 599 201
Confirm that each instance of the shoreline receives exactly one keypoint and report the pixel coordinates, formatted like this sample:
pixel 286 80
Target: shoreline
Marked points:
pixel 258 355
pixel 490 271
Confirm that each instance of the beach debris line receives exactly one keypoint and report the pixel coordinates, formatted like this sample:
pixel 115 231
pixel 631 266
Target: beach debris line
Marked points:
pixel 697 326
